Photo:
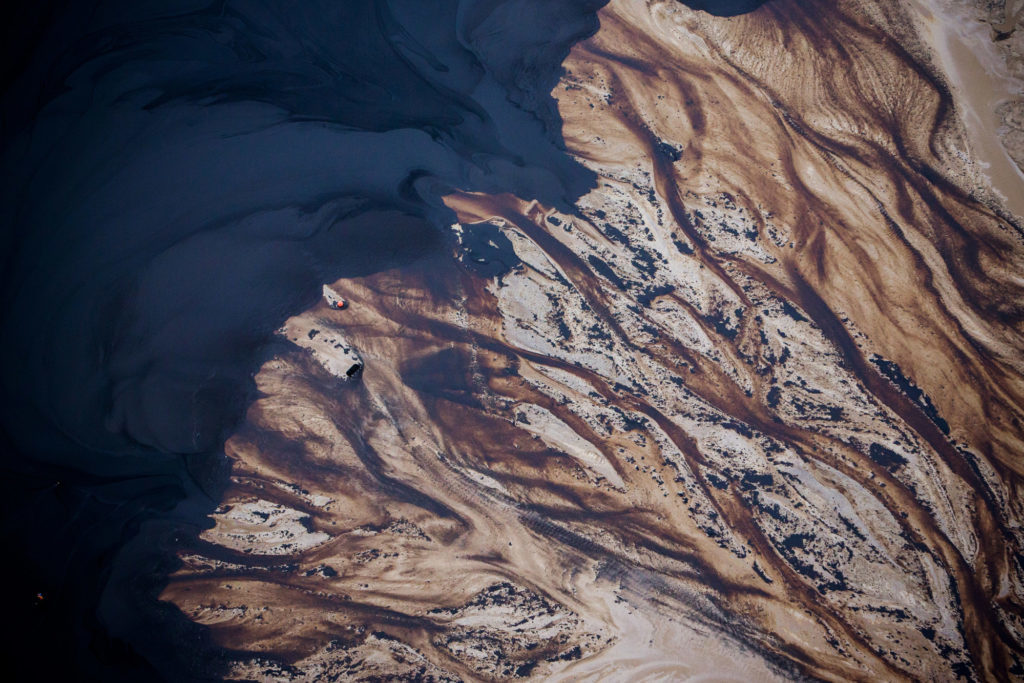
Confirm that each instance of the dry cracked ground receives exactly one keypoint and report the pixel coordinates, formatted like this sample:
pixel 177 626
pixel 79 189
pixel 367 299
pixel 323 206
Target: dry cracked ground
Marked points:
pixel 751 409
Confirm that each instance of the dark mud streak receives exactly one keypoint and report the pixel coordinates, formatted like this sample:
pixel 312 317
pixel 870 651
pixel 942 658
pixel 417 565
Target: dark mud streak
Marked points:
pixel 912 170
pixel 582 277
pixel 637 577
pixel 637 580
pixel 398 489
pixel 992 525
pixel 740 521
pixel 970 590
pixel 724 506
pixel 836 333
pixel 664 179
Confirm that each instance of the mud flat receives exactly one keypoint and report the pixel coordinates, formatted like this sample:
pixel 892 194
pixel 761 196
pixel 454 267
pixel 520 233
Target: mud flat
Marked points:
pixel 751 408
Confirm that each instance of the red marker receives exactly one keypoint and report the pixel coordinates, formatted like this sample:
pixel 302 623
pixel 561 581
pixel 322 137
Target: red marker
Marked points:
pixel 341 304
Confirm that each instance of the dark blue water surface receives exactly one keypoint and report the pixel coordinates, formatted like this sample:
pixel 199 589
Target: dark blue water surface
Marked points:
pixel 181 176
pixel 725 8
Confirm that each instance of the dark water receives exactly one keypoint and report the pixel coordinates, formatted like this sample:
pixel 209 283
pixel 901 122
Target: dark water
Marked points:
pixel 724 8
pixel 180 177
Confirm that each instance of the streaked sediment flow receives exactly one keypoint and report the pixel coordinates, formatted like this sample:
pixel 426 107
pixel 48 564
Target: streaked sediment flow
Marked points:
pixel 751 407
